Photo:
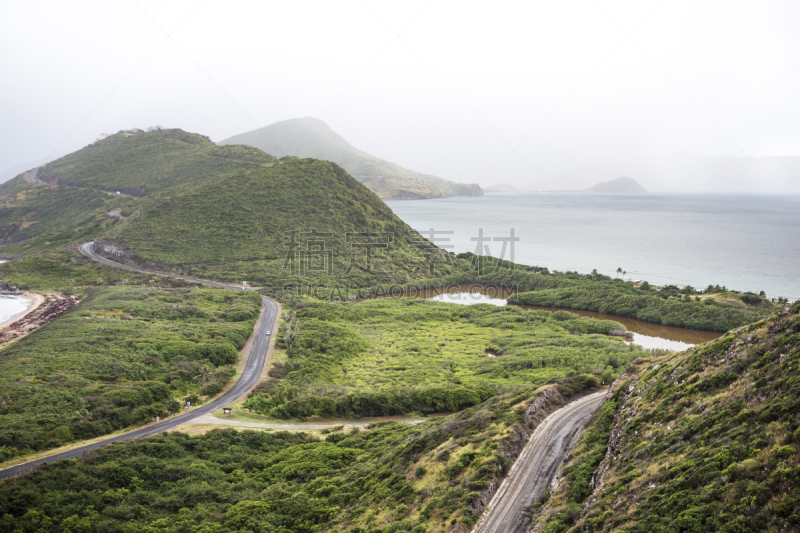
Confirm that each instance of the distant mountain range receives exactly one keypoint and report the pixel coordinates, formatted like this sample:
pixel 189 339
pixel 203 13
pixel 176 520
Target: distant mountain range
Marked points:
pixel 688 173
pixel 503 188
pixel 307 137
pixel 622 184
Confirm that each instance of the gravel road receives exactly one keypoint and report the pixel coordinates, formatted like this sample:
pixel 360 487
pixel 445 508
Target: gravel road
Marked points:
pixel 536 466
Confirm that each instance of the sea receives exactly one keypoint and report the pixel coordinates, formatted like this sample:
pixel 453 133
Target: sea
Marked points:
pixel 10 305
pixel 743 242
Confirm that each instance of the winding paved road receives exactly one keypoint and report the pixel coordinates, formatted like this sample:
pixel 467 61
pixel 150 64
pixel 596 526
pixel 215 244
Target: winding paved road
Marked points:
pixel 536 466
pixel 250 375
pixel 32 177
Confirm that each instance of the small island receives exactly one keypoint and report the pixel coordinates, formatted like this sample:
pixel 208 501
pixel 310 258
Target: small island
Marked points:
pixel 623 184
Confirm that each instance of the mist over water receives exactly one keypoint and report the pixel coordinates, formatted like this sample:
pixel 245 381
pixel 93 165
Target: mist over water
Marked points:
pixel 743 242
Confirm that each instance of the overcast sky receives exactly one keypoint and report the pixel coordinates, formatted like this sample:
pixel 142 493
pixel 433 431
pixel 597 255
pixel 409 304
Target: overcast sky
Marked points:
pixel 516 92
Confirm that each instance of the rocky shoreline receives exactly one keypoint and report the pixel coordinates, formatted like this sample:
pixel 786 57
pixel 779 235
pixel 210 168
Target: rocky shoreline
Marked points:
pixel 53 306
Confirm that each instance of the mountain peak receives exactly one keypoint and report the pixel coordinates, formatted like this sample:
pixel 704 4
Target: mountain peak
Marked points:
pixel 308 137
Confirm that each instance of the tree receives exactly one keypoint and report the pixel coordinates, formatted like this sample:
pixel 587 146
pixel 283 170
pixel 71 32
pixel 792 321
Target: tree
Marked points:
pixel 624 274
pixel 82 415
pixel 204 376
pixel 619 271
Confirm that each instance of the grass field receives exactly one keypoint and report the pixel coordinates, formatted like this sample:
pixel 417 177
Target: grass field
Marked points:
pixel 401 356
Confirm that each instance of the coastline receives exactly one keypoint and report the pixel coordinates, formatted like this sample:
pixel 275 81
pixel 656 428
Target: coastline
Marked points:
pixel 42 309
pixel 34 300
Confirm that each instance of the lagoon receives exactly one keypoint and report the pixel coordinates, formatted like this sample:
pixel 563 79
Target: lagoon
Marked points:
pixel 645 334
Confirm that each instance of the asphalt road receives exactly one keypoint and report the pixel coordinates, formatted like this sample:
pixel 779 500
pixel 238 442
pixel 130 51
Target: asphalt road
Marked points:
pixel 249 377
pixel 536 466
pixel 33 176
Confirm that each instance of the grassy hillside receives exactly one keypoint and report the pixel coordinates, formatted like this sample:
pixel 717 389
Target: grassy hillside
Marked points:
pixel 306 137
pixel 393 357
pixel 704 440
pixel 392 477
pixel 59 214
pixel 224 212
pixel 239 229
pixel 121 357
pixel 77 199
pixel 147 162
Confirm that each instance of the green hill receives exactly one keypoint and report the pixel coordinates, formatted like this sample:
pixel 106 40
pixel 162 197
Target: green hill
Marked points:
pixel 704 440
pixel 144 163
pixel 310 213
pixel 77 192
pixel 307 137
pixel 224 212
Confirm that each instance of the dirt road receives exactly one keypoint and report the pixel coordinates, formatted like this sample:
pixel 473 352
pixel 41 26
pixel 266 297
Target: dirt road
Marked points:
pixel 536 466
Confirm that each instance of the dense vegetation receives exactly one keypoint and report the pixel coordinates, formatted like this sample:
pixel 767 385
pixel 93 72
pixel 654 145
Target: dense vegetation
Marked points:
pixel 392 477
pixel 122 357
pixel 705 440
pixel 392 357
pixel 64 215
pixel 309 137
pixel 669 305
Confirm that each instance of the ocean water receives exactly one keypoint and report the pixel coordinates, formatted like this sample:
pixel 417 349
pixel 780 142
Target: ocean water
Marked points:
pixel 10 306
pixel 743 242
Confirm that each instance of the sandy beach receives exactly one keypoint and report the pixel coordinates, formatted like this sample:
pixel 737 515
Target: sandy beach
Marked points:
pixel 42 309
pixel 34 301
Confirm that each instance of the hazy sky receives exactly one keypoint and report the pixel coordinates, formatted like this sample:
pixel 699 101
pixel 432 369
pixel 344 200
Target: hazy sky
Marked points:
pixel 566 85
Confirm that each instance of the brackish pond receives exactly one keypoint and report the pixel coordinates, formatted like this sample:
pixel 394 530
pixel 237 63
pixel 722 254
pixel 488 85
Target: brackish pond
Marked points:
pixel 645 334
